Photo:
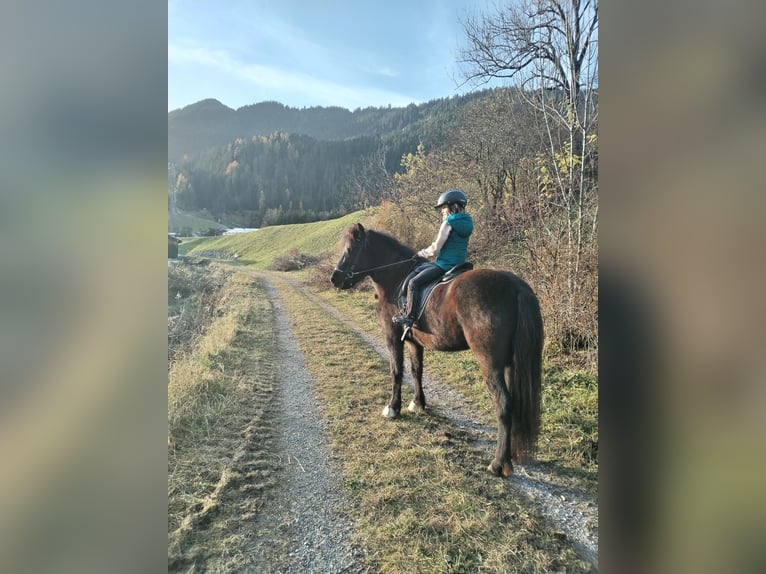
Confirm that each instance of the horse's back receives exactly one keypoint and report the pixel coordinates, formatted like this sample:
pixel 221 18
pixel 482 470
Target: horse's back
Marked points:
pixel 480 304
pixel 489 300
pixel 488 287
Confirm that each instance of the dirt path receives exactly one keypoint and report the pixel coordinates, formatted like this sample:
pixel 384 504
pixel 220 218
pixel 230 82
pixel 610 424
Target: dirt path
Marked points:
pixel 274 505
pixel 307 511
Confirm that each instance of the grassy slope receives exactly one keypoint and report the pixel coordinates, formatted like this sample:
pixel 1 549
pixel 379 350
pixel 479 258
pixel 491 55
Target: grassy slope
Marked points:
pixel 259 248
pixel 178 221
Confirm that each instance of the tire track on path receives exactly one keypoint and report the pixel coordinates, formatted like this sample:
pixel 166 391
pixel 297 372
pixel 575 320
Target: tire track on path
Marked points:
pixel 308 509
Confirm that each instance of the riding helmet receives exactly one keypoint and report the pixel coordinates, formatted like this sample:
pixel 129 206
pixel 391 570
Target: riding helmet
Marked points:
pixel 452 196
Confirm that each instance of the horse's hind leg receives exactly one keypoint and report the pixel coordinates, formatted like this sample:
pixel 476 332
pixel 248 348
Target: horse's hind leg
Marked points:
pixel 501 465
pixel 418 402
pixel 396 364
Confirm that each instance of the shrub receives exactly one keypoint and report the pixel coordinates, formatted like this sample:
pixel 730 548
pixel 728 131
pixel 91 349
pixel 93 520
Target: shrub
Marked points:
pixel 193 295
pixel 294 261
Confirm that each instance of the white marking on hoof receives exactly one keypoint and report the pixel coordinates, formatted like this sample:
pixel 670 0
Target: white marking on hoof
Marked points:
pixel 414 408
pixel 388 412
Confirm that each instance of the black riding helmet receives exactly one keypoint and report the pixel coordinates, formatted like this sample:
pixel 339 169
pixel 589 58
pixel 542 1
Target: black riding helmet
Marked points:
pixel 452 196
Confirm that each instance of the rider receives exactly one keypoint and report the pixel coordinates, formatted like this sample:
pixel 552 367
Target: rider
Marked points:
pixel 450 247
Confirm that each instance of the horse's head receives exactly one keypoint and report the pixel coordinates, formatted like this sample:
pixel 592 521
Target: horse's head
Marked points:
pixel 353 256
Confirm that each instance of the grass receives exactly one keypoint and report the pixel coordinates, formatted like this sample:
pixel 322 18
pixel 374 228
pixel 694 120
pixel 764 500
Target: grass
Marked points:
pixel 221 431
pixel 188 243
pixel 186 222
pixel 422 499
pixel 569 433
pixel 570 427
pixel 260 248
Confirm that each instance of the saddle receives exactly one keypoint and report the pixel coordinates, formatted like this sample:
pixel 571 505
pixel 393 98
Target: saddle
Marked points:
pixel 427 289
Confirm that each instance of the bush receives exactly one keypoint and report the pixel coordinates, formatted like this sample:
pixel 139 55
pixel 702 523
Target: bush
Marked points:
pixel 294 261
pixel 407 224
pixel 321 273
pixel 193 295
pixel 319 277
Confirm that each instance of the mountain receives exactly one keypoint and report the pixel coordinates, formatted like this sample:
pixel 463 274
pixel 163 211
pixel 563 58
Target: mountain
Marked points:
pixel 267 163
pixel 199 127
pixel 209 124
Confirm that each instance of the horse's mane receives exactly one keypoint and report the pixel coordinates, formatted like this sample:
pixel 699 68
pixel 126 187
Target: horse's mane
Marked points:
pixel 389 242
pixel 379 238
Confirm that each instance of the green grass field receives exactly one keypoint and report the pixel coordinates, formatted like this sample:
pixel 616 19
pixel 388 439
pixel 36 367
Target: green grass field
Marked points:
pixel 178 222
pixel 259 248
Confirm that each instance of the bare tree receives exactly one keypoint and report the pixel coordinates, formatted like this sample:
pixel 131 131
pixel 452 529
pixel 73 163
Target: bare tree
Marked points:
pixel 371 181
pixel 546 44
pixel 549 48
pixel 492 142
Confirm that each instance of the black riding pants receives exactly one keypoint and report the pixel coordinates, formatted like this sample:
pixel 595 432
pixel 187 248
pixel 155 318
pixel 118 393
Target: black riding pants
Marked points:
pixel 428 272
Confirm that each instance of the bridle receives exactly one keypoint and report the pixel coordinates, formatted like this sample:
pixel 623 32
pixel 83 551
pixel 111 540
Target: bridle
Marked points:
pixel 350 273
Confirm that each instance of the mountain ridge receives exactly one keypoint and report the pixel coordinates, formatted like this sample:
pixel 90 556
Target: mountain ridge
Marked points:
pixel 208 123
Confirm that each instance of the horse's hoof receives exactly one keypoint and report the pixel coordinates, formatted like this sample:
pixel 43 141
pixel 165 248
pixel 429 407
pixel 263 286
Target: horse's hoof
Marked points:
pixel 415 408
pixel 390 413
pixel 502 470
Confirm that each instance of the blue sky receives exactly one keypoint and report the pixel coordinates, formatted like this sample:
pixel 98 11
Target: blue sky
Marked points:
pixel 306 53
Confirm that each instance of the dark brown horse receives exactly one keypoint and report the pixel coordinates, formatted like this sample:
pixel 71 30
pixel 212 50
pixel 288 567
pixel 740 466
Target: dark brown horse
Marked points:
pixel 494 313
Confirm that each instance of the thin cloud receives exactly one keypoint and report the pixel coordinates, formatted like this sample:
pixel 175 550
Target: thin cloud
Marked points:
pixel 378 71
pixel 274 79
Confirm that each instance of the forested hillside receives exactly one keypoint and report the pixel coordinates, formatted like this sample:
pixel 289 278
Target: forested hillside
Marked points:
pixel 209 124
pixel 269 164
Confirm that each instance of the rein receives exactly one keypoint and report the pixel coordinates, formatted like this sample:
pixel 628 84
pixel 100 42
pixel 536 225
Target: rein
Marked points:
pixel 351 273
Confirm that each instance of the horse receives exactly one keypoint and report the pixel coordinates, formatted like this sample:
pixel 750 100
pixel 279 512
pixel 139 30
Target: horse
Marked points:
pixel 494 313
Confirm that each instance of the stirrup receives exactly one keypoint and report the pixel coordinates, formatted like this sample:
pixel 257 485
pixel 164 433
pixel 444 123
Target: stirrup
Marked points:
pixel 402 320
pixel 407 329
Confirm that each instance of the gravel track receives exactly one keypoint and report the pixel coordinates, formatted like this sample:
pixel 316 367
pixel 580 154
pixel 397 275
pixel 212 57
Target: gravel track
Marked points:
pixel 309 508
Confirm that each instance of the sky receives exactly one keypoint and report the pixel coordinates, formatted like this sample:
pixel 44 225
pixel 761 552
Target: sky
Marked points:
pixel 304 53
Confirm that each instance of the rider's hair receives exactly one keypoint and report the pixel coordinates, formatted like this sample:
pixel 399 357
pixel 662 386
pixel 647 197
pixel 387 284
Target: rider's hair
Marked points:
pixel 456 208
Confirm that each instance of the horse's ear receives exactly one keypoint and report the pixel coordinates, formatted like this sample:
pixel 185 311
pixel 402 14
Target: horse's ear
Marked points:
pixel 358 232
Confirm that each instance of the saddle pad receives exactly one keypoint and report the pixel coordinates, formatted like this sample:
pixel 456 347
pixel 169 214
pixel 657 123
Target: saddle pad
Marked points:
pixel 428 289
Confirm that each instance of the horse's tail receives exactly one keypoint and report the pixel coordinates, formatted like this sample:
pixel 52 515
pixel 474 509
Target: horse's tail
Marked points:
pixel 523 375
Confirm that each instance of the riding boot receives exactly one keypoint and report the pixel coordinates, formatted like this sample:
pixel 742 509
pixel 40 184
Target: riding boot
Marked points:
pixel 413 304
pixel 408 317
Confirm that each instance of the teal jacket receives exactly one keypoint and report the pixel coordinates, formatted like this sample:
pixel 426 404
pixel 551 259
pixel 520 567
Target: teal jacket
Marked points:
pixel 455 249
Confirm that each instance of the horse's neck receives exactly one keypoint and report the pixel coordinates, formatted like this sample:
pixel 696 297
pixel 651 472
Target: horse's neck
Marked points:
pixel 382 294
pixel 388 281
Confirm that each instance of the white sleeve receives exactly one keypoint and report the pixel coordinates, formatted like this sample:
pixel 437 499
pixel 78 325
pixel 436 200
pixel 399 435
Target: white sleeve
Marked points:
pixel 441 238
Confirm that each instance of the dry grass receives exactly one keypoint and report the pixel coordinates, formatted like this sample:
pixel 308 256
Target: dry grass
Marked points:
pixel 569 434
pixel 423 501
pixel 220 432
pixel 294 260
pixel 193 294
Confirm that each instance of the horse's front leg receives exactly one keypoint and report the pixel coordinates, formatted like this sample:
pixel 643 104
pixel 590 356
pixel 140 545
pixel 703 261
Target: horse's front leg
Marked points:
pixel 418 402
pixel 396 362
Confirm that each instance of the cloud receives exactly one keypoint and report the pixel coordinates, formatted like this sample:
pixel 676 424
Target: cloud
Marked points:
pixel 378 70
pixel 274 79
